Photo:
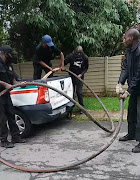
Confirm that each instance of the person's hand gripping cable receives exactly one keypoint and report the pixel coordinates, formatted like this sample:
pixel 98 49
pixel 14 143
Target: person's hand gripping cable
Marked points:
pixel 120 92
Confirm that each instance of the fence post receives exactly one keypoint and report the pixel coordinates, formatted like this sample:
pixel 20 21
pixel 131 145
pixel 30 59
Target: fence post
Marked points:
pixel 106 72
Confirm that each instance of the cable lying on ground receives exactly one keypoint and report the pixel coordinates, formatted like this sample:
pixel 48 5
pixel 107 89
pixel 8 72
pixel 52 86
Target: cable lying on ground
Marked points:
pixel 62 168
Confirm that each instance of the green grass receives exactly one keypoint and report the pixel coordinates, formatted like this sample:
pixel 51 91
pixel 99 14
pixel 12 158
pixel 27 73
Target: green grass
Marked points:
pixel 111 103
pixel 91 103
pixel 84 118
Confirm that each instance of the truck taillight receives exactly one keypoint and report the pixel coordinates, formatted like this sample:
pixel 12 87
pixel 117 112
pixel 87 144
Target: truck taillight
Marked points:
pixel 43 95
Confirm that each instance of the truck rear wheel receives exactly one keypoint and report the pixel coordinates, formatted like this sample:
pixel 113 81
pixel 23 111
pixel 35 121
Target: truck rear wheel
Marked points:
pixel 23 123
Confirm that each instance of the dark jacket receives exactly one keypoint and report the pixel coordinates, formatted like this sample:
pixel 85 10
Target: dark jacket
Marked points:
pixel 45 54
pixel 6 75
pixel 78 65
pixel 131 69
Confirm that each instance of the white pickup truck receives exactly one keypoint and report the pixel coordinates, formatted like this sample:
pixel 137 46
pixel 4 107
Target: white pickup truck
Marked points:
pixel 37 105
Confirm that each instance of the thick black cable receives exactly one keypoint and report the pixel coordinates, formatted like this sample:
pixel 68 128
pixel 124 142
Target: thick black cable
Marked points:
pixel 62 168
pixel 110 119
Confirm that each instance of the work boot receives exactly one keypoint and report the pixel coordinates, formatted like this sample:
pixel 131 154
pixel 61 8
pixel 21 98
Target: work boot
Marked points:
pixel 127 137
pixel 7 144
pixel 18 140
pixel 136 149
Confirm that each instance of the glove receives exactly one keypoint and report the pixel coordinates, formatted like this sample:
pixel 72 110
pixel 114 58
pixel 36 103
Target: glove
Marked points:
pixel 124 95
pixel 119 89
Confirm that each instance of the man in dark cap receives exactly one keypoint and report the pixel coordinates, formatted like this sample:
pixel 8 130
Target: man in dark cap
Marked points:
pixel 43 55
pixel 7 56
pixel 131 73
pixel 79 65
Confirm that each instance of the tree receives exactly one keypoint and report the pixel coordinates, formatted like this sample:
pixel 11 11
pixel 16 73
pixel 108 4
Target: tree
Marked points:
pixel 3 36
pixel 97 25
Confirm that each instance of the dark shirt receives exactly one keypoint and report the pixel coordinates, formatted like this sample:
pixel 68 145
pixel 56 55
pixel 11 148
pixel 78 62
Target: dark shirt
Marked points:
pixel 45 54
pixel 131 69
pixel 6 75
pixel 78 65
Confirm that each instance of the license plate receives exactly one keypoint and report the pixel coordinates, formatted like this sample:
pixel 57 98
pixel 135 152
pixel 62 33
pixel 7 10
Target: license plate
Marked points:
pixel 63 110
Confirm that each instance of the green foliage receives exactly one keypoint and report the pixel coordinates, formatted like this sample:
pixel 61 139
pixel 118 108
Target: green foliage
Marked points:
pixel 3 36
pixel 96 25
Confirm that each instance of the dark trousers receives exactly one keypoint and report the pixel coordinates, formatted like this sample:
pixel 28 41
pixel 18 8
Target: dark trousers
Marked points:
pixel 77 86
pixel 7 115
pixel 38 71
pixel 133 116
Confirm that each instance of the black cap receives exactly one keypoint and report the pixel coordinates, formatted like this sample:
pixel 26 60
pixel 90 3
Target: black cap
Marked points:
pixel 7 49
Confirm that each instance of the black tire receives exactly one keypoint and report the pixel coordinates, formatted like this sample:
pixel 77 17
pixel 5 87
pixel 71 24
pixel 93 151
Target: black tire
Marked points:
pixel 24 124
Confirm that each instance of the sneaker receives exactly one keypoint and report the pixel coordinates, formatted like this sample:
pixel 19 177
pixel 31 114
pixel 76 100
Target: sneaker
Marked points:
pixel 136 149
pixel 18 140
pixel 7 144
pixel 127 137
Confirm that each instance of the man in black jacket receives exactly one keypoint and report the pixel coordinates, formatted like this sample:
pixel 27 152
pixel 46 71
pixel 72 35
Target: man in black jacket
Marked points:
pixel 6 106
pixel 79 65
pixel 43 55
pixel 131 73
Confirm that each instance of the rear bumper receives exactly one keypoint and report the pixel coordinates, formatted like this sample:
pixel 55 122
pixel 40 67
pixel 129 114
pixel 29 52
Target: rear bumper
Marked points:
pixel 43 113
